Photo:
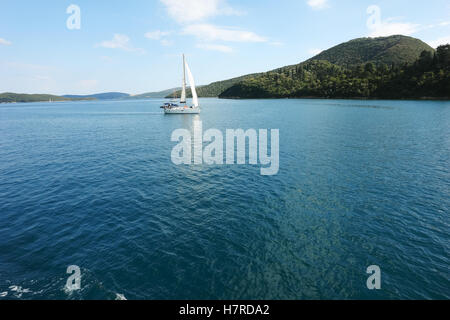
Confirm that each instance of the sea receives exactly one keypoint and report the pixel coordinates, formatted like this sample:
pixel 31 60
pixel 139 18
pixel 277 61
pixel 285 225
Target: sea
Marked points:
pixel 91 184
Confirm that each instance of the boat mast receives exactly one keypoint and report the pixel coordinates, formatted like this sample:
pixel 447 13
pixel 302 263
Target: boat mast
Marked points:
pixel 183 92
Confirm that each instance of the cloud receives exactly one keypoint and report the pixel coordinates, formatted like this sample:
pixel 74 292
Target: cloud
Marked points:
pixel 5 42
pixel 318 4
pixel 389 27
pixel 191 14
pixel 157 35
pixel 438 42
pixel 122 42
pixel 314 52
pixel 437 25
pixel 208 32
pixel 215 47
pixel 197 10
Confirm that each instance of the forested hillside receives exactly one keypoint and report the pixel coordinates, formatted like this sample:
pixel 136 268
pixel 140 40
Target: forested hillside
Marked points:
pixel 427 77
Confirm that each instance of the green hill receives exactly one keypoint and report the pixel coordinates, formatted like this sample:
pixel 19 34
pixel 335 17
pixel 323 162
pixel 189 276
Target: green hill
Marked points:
pixel 393 50
pixel 427 77
pixel 384 50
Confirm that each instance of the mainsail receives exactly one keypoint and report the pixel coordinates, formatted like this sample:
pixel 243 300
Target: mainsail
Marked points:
pixel 183 91
pixel 192 84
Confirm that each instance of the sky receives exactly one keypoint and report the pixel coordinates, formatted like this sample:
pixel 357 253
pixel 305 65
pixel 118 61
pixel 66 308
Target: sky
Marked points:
pixel 85 46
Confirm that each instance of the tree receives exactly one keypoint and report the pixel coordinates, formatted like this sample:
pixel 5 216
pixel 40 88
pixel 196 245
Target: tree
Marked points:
pixel 383 68
pixel 425 59
pixel 443 55
pixel 369 67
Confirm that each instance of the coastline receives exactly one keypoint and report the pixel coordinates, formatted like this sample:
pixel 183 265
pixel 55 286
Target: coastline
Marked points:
pixel 343 98
pixel 254 98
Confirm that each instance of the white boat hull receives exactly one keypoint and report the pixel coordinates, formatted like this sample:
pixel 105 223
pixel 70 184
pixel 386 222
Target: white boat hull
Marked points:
pixel 182 110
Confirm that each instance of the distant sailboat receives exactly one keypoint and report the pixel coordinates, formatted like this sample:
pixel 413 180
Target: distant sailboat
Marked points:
pixel 171 108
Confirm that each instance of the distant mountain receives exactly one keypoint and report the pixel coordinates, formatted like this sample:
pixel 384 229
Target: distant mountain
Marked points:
pixel 397 50
pixel 100 96
pixel 9 97
pixel 119 95
pixel 153 95
pixel 16 97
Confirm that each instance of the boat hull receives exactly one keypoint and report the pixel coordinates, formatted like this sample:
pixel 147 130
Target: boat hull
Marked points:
pixel 182 110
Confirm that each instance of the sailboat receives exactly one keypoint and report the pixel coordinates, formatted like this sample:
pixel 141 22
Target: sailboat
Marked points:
pixel 171 108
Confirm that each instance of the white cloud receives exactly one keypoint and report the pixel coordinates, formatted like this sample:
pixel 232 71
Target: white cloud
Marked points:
pixel 120 41
pixel 197 10
pixel 215 47
pixel 318 4
pixel 156 35
pixel 314 52
pixel 5 42
pixel 438 42
pixel 208 32
pixel 192 14
pixel 389 27
pixel 439 24
pixel 435 25
pixel 159 35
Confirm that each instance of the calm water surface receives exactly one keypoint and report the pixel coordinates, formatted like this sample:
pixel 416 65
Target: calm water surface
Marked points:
pixel 92 184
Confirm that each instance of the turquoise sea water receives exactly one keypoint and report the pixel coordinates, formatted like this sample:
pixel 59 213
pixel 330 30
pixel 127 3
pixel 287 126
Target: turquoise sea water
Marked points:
pixel 91 184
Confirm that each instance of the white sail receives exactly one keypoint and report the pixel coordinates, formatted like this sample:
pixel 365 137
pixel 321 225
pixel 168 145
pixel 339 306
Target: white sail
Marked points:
pixel 170 108
pixel 183 91
pixel 192 84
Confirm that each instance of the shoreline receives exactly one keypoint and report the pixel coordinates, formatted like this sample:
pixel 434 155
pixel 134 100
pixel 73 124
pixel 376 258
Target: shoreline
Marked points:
pixel 238 98
pixel 341 98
